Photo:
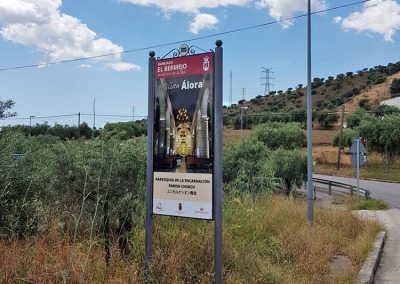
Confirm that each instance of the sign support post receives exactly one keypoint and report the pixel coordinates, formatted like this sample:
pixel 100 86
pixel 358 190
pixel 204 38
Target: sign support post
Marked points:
pixel 218 164
pixel 357 151
pixel 149 176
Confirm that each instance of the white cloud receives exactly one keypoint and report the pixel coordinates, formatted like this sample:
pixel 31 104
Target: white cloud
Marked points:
pixel 40 24
pixel 191 6
pixel 203 21
pixel 123 66
pixel 283 9
pixel 337 19
pixel 378 16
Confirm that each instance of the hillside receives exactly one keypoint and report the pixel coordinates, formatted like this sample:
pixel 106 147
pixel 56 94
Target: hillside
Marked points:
pixel 365 88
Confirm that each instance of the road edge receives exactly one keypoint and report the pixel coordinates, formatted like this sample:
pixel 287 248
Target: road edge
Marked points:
pixel 368 269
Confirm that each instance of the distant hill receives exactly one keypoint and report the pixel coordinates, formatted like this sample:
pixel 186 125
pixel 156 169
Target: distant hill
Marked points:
pixel 362 89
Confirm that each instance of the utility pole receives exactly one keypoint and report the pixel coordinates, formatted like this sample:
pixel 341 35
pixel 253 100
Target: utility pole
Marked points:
pixel 243 93
pixel 310 192
pixel 241 122
pixel 340 139
pixel 94 115
pixel 30 124
pixel 133 113
pixel 230 89
pixel 266 80
pixel 79 124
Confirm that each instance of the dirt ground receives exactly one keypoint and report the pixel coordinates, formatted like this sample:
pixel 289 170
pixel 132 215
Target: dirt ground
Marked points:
pixel 320 137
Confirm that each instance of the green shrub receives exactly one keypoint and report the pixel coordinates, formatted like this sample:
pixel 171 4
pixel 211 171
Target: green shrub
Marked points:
pixel 247 167
pixel 355 118
pixel 369 204
pixel 395 88
pixel 291 167
pixel 347 139
pixel 383 133
pixel 280 135
pixel 53 176
pixel 326 118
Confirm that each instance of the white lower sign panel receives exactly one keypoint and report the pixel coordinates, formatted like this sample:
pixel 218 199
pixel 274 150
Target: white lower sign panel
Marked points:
pixel 183 194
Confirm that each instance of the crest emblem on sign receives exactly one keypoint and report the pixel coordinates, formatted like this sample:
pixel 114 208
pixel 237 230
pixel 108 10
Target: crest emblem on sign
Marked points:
pixel 206 63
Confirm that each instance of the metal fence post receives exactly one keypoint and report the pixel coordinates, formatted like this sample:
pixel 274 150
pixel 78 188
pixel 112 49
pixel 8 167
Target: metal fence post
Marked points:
pixel 330 187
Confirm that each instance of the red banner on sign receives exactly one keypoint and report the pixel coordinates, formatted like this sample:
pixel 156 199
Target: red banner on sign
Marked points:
pixel 183 66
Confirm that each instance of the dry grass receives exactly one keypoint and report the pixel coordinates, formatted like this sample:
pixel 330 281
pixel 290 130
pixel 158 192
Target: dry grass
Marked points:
pixel 232 135
pixel 377 172
pixel 266 240
pixel 46 260
pixel 328 155
pixel 323 137
pixel 320 137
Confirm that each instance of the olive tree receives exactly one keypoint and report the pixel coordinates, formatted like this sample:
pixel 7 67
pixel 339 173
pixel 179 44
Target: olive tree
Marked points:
pixel 280 135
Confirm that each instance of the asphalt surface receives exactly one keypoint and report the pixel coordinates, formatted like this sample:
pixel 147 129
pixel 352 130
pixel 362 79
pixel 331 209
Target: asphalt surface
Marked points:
pixel 388 192
pixel 389 267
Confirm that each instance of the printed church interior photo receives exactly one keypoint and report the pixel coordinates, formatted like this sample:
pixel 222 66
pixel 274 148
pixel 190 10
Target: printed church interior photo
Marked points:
pixel 183 128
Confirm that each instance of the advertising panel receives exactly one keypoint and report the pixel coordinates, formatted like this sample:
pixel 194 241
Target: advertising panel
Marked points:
pixel 183 136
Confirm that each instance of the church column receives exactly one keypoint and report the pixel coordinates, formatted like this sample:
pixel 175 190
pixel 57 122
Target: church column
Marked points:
pixel 161 142
pixel 205 145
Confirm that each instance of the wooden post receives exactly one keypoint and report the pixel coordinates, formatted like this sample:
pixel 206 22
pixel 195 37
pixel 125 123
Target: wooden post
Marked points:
pixel 340 139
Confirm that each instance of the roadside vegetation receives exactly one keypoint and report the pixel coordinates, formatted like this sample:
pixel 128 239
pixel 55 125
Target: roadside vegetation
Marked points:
pixel 72 198
pixel 266 240
pixel 382 131
pixel 73 211
pixel 368 204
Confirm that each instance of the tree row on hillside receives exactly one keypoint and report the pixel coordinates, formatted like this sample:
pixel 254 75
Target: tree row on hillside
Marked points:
pixel 120 130
pixel 328 94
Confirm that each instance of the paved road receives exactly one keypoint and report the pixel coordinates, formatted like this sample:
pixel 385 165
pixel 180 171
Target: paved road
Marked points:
pixel 389 267
pixel 388 192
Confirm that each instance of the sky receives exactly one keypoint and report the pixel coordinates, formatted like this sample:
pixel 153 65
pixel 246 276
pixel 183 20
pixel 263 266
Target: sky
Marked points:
pixel 36 32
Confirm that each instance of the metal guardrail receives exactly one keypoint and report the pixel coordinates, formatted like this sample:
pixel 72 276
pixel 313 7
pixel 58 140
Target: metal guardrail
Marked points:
pixel 350 187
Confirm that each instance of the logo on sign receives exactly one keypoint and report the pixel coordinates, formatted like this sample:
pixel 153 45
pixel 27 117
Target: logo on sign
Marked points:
pixel 206 63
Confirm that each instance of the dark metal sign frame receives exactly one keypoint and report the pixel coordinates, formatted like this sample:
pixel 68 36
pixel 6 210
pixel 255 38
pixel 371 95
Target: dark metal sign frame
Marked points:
pixel 216 163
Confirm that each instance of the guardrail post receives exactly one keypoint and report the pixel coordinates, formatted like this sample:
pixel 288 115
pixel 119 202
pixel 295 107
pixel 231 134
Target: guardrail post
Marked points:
pixel 351 190
pixel 330 188
pixel 315 192
pixel 367 193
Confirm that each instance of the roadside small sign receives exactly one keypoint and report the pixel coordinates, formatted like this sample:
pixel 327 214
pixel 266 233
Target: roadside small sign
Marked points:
pixel 361 150
pixel 361 160
pixel 17 156
pixel 358 154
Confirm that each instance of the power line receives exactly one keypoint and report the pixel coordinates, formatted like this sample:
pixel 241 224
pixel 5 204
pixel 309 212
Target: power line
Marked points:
pixel 38 117
pixel 266 113
pixel 72 115
pixel 180 41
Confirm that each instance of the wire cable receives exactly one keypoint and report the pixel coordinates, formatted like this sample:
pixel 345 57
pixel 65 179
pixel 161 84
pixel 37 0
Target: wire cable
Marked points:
pixel 181 41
